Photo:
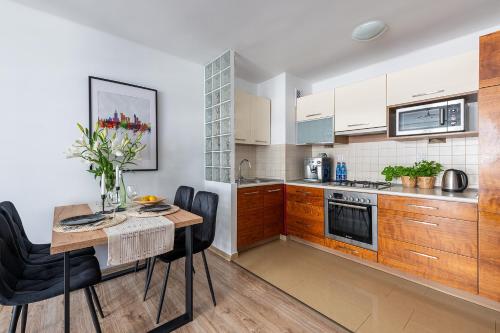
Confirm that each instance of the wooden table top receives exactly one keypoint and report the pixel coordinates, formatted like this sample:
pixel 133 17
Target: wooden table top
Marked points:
pixel 69 241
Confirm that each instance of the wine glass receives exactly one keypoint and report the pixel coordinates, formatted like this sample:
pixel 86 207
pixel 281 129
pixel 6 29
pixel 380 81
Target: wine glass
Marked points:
pixel 114 200
pixel 132 192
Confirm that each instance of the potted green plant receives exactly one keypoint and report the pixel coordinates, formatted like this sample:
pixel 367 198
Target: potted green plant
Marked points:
pixel 426 172
pixel 407 174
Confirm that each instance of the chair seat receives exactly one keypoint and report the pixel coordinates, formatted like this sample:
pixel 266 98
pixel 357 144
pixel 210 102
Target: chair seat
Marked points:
pixel 179 250
pixel 40 282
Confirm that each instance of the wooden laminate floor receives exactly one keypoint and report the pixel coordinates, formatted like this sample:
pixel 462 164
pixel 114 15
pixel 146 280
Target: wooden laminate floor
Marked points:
pixel 245 303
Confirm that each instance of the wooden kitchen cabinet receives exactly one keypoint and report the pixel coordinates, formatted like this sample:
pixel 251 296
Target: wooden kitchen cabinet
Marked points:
pixel 252 119
pixel 259 214
pixel 489 161
pixel 445 77
pixel 489 60
pixel 447 268
pixel 361 106
pixel 434 239
pixel 305 213
pixel 489 149
pixel 316 106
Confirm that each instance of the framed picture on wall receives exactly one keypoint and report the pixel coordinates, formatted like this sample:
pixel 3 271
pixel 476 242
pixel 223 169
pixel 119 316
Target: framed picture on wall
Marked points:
pixel 126 108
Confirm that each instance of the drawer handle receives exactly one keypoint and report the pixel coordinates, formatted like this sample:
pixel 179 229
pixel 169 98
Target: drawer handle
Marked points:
pixel 423 207
pixel 348 249
pixel 275 190
pixel 239 139
pixel 424 223
pixel 423 255
pixel 304 192
pixel 260 141
pixel 249 193
pixel 428 93
pixel 355 125
pixel 313 114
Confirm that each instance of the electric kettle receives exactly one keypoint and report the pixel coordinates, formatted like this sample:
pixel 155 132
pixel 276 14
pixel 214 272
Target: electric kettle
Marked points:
pixel 454 181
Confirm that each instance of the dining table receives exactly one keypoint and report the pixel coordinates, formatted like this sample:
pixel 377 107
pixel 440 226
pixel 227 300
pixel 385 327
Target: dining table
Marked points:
pixel 65 242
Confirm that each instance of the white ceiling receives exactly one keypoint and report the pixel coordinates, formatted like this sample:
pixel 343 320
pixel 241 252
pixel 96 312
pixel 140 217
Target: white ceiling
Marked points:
pixel 308 38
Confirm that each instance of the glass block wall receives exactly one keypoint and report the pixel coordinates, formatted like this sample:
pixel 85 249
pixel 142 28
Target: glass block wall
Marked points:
pixel 219 144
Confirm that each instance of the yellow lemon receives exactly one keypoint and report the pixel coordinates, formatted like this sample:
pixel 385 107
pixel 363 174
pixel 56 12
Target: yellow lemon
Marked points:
pixel 152 198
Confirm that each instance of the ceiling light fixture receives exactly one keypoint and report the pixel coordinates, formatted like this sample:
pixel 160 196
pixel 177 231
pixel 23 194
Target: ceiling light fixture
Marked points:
pixel 369 31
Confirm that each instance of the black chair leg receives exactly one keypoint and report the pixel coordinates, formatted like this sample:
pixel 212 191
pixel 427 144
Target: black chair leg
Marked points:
pixel 93 314
pixel 136 266
pixel 163 291
pixel 149 277
pixel 96 301
pixel 208 277
pixel 16 311
pixel 24 317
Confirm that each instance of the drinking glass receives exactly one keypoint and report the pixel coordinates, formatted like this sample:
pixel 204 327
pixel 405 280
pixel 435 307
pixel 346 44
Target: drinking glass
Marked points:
pixel 132 192
pixel 113 199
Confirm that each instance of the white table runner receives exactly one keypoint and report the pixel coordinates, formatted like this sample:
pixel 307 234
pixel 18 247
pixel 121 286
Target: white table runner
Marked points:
pixel 139 238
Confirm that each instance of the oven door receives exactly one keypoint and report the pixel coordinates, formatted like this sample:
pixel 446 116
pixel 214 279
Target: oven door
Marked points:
pixel 352 223
pixel 422 119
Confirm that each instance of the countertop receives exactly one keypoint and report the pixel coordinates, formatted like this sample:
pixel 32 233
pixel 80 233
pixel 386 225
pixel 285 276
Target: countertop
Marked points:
pixel 469 195
pixel 262 183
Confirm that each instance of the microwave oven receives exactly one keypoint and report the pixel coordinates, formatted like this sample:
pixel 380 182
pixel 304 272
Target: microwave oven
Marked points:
pixel 440 117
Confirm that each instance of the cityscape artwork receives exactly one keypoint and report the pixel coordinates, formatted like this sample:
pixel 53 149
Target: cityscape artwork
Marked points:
pixel 125 108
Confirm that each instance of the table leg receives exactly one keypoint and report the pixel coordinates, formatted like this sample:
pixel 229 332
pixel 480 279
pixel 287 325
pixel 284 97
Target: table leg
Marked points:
pixel 66 292
pixel 189 273
pixel 186 317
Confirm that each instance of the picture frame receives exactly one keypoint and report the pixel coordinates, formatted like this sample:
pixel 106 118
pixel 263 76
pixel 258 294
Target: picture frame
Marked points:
pixel 126 108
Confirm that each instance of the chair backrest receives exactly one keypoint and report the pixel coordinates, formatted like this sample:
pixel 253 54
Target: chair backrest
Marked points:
pixel 15 218
pixel 17 235
pixel 11 263
pixel 184 197
pixel 205 205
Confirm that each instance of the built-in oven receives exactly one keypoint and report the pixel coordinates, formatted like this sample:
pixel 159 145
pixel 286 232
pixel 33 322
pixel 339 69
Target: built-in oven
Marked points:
pixel 351 217
pixel 440 117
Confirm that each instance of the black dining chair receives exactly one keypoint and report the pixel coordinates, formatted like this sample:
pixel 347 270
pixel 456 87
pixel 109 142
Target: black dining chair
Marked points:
pixel 204 205
pixel 22 244
pixel 35 253
pixel 184 200
pixel 22 283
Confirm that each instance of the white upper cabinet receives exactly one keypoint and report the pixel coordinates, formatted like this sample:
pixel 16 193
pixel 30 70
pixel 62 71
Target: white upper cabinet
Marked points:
pixel 444 77
pixel 242 126
pixel 252 119
pixel 361 106
pixel 316 106
pixel 261 120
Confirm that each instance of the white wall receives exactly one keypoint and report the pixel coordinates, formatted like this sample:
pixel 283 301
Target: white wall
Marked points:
pixel 246 86
pixel 275 90
pixel 45 62
pixel 447 49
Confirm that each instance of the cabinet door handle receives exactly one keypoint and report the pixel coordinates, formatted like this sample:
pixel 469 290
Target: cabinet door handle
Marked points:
pixel 304 224
pixel 238 139
pixel 428 93
pixel 275 190
pixel 355 125
pixel 423 255
pixel 423 207
pixel 260 141
pixel 250 193
pixel 424 223
pixel 313 115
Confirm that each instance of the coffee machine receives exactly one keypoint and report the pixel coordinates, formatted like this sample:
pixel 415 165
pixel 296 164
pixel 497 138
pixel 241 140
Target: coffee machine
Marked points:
pixel 317 169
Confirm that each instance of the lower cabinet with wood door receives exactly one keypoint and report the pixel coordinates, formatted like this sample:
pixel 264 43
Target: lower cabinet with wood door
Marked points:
pixel 305 213
pixel 434 239
pixel 259 215
pixel 489 255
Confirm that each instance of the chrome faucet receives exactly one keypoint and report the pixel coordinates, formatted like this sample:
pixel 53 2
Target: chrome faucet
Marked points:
pixel 240 177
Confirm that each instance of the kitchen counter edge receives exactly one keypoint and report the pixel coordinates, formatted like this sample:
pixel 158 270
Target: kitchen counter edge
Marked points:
pixel 469 195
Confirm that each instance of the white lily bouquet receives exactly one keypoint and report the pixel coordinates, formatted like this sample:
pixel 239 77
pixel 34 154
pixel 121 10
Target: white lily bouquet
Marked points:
pixel 104 154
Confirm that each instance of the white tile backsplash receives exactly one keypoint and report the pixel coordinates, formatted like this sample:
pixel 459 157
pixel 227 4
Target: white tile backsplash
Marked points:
pixel 367 160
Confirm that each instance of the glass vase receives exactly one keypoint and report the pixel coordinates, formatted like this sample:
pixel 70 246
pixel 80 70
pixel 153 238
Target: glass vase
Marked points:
pixel 123 194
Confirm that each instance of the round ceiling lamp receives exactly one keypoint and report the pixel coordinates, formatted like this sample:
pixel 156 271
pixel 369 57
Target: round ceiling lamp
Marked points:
pixel 369 31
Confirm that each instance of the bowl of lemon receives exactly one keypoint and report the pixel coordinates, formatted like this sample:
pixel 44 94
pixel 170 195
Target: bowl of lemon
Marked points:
pixel 148 200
